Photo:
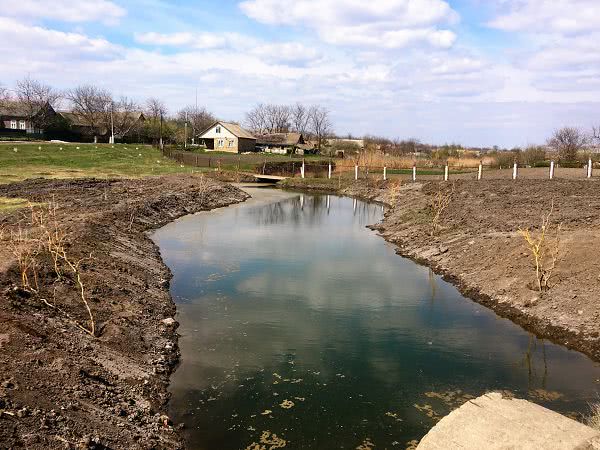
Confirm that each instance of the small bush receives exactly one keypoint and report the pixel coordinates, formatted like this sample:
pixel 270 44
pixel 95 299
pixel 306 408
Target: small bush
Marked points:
pixel 545 252
pixel 571 164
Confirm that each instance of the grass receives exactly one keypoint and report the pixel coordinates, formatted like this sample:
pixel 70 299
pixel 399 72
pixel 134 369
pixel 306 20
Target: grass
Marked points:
pixel 19 161
pixel 594 420
pixel 11 204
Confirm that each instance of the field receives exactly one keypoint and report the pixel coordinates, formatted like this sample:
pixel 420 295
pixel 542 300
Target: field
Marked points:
pixel 19 161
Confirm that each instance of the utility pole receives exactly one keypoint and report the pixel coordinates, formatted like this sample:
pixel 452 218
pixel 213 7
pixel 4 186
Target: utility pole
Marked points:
pixel 185 132
pixel 112 125
pixel 160 142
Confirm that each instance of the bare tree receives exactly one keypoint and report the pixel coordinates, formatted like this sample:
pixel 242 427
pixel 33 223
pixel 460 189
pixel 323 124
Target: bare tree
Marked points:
pixel 198 118
pixel 320 124
pixel 155 108
pixel 122 116
pixel 155 112
pixel 279 118
pixel 299 118
pixel 256 119
pixel 596 134
pixel 567 141
pixel 4 96
pixel 269 118
pixel 35 97
pixel 90 105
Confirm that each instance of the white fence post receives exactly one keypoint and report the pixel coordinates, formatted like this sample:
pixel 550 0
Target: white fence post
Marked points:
pixel 302 170
pixel 356 172
pixel 589 168
pixel 328 202
pixel 446 172
pixel 515 170
pixel 384 173
pixel 551 169
pixel 329 173
pixel 480 171
pixel 414 173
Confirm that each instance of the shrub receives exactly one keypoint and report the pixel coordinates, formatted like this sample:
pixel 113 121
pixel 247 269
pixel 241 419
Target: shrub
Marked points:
pixel 545 252
pixel 533 155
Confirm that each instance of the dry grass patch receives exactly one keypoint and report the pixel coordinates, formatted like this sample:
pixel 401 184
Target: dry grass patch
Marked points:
pixel 545 250
pixel 11 204
pixel 594 420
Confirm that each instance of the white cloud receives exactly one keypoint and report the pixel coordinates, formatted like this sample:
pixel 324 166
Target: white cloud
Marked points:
pixel 103 11
pixel 559 56
pixel 35 44
pixel 548 16
pixel 293 53
pixel 385 23
pixel 287 52
pixel 201 40
pixel 456 66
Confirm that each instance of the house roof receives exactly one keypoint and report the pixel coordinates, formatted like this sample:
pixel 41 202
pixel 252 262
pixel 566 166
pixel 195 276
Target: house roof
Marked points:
pixel 75 119
pixel 233 128
pixel 13 109
pixel 287 139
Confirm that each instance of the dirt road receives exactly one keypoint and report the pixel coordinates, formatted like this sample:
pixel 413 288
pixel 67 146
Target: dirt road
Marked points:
pixel 61 387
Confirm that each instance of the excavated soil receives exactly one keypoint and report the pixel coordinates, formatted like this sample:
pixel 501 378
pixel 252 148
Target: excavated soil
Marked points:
pixel 478 248
pixel 61 387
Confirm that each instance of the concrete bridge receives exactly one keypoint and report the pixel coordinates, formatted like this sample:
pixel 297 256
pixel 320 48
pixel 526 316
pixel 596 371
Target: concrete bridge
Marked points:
pixel 268 178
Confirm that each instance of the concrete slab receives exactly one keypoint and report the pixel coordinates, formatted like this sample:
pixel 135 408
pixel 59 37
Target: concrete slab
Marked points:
pixel 493 422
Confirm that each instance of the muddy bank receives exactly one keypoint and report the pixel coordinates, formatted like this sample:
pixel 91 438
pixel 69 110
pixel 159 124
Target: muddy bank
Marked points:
pixel 61 387
pixel 477 247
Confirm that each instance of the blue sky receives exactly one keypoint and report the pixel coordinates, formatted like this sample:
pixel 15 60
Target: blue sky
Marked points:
pixel 478 72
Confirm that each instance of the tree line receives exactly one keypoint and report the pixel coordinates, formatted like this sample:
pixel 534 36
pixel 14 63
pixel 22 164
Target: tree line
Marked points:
pixel 313 122
pixel 101 113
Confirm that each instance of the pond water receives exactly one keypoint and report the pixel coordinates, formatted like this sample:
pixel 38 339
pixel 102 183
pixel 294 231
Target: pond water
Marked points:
pixel 298 321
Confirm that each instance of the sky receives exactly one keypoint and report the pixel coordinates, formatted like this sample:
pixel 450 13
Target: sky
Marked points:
pixel 476 72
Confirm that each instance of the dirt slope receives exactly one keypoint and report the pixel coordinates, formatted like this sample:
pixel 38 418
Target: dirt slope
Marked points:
pixel 60 387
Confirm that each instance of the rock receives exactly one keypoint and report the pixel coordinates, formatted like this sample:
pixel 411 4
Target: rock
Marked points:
pixel 169 322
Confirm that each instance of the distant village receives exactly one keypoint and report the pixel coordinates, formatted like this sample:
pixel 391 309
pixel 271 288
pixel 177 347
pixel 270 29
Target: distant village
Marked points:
pixel 34 111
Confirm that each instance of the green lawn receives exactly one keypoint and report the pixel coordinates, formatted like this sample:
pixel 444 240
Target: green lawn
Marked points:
pixel 19 161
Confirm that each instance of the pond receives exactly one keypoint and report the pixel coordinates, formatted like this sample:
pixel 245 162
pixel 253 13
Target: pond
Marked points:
pixel 298 321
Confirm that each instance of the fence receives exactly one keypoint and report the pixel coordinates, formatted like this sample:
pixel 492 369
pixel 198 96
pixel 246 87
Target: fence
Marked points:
pixel 296 166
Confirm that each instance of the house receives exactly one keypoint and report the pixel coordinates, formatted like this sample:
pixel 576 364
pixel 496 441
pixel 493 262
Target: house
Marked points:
pixel 124 124
pixel 21 119
pixel 227 137
pixel 283 143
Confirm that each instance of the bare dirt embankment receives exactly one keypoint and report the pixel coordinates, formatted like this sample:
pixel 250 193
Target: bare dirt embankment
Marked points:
pixel 478 248
pixel 61 387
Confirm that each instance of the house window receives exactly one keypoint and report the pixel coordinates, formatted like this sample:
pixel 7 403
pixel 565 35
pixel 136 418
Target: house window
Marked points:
pixel 230 144
pixel 22 125
pixel 220 142
pixel 13 124
pixel 218 130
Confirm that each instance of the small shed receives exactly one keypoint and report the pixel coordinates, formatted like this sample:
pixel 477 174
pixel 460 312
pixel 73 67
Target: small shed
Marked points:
pixel 281 143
